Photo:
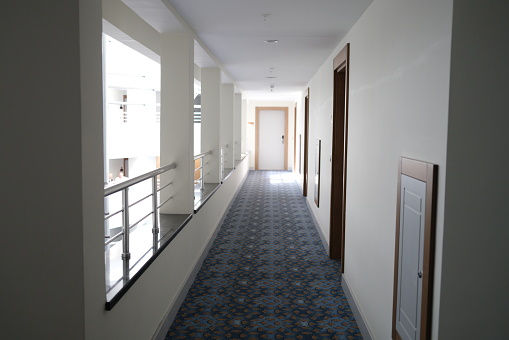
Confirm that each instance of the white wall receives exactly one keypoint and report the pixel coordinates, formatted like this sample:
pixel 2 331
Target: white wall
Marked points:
pixel 475 298
pixel 251 106
pixel 210 119
pixel 122 17
pixel 237 127
pixel 399 80
pixel 227 104
pixel 141 165
pixel 177 127
pixel 46 209
pixel 243 127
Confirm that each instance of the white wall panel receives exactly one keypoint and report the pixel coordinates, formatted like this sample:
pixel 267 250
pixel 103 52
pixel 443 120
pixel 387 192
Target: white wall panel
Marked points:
pixel 399 79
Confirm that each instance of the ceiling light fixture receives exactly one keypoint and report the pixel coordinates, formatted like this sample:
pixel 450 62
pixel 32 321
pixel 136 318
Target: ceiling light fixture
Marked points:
pixel 271 41
pixel 265 15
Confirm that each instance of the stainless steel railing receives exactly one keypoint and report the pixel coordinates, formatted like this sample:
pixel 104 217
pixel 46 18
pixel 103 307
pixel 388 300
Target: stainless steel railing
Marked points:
pixel 201 168
pixel 222 162
pixel 126 226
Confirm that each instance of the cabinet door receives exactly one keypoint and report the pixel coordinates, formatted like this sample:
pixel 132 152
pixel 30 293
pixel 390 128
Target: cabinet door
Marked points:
pixel 411 249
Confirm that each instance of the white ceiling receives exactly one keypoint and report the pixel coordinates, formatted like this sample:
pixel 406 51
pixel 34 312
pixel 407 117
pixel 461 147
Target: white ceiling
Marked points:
pixel 234 31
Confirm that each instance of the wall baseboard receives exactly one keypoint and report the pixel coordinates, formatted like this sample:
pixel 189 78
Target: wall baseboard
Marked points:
pixel 366 334
pixel 363 327
pixel 318 229
pixel 160 333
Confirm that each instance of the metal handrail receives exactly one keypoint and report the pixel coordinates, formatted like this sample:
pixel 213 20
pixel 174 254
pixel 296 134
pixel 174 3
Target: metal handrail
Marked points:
pixel 108 216
pixel 126 226
pixel 160 205
pixel 164 186
pixel 201 167
pixel 201 155
pixel 113 238
pixel 132 181
pixel 221 160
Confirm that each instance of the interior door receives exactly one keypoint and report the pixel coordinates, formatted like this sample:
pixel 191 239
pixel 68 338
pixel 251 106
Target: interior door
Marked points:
pixel 271 153
pixel 411 248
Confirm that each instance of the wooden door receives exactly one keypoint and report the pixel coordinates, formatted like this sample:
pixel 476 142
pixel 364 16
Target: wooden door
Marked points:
pixel 339 157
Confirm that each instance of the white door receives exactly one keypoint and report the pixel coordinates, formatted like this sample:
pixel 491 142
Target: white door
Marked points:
pixel 271 139
pixel 411 248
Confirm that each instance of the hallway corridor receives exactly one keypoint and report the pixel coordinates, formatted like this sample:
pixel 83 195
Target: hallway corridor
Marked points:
pixel 267 275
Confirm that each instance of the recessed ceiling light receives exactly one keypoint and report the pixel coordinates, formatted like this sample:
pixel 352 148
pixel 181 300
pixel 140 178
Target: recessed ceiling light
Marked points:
pixel 272 41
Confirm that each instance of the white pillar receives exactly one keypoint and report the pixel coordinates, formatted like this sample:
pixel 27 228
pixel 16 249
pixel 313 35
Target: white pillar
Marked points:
pixel 177 90
pixel 237 127
pixel 210 109
pixel 52 178
pixel 226 128
pixel 243 133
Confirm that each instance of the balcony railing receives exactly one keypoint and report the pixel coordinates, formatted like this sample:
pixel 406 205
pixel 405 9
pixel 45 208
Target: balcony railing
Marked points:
pixel 199 168
pixel 148 200
pixel 222 161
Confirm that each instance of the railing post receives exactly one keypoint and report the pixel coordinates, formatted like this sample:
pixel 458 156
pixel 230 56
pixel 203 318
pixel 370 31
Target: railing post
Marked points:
pixel 201 172
pixel 155 228
pixel 221 161
pixel 126 255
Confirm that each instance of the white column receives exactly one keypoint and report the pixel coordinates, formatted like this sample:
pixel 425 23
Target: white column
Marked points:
pixel 210 109
pixel 237 127
pixel 243 133
pixel 52 178
pixel 177 82
pixel 226 128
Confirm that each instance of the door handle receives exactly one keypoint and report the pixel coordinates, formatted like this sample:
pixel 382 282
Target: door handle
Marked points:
pixel 282 139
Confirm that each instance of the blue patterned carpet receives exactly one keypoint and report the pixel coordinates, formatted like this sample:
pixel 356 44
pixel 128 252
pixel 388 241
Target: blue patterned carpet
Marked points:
pixel 267 275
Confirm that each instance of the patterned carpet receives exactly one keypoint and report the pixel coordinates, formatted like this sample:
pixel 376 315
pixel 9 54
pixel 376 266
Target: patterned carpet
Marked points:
pixel 267 275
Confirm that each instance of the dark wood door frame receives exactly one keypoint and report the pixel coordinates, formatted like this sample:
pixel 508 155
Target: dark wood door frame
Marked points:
pixel 427 173
pixel 306 142
pixel 339 156
pixel 295 138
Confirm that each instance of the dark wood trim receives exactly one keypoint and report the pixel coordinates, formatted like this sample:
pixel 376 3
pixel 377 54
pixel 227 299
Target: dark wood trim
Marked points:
pixel 295 138
pixel 300 153
pixel 342 58
pixel 126 167
pixel 341 71
pixel 427 173
pixel 318 160
pixel 395 334
pixel 306 142
pixel 257 131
